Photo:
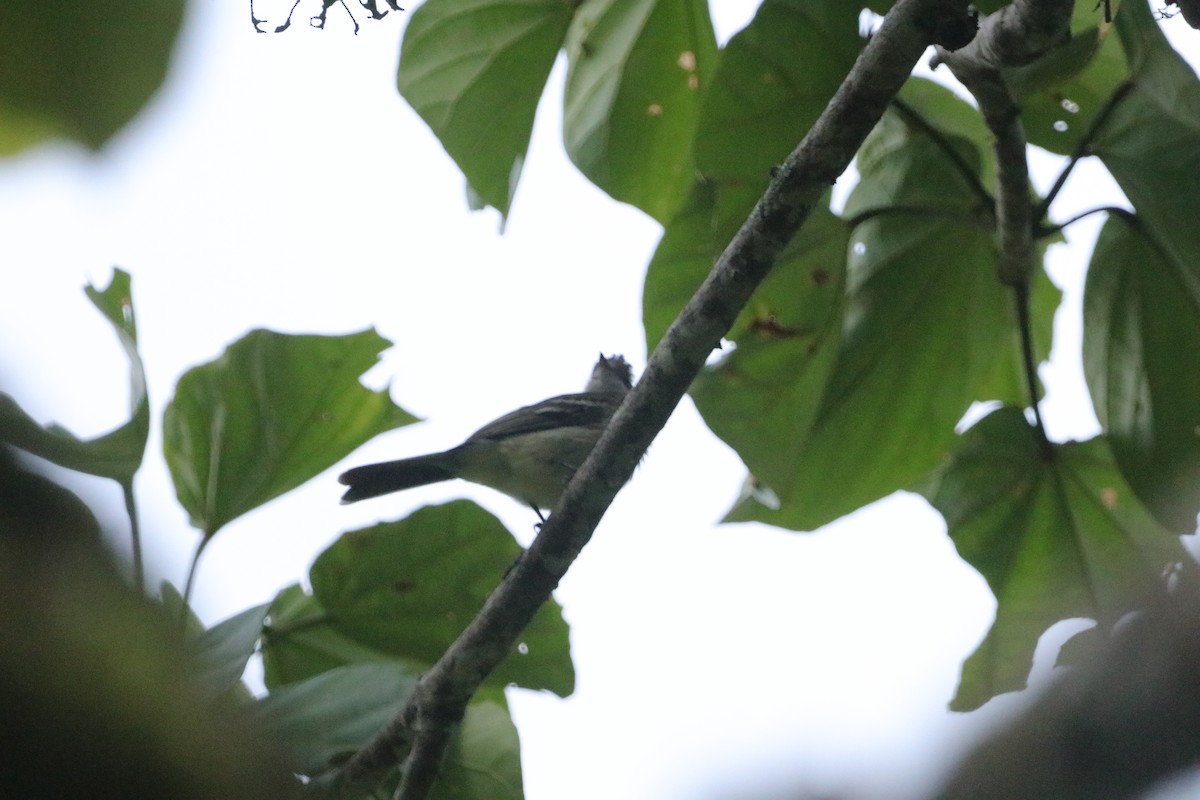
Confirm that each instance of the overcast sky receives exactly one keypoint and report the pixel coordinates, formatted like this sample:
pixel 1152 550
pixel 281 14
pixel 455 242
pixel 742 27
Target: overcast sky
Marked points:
pixel 279 181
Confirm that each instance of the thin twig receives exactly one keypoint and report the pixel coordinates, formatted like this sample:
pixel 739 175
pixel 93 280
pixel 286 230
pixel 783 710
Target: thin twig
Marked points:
pixel 1082 148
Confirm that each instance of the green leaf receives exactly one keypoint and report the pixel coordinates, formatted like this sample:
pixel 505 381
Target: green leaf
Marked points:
pixel 42 511
pixel 116 454
pixel 272 412
pixel 319 720
pixel 761 399
pixel 175 609
pixel 1141 337
pixel 690 244
pixel 1063 92
pixel 300 642
pixel 925 329
pixel 81 70
pixel 223 650
pixel 483 761
pixel 773 80
pixel 1056 536
pixel 474 70
pixel 637 70
pixel 409 588
pixel 942 110
pixel 762 100
pixel 1157 164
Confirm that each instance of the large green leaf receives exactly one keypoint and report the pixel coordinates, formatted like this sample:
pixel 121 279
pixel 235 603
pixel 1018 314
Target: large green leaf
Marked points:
pixel 116 454
pixel 1151 144
pixel 1151 141
pixel 474 70
pixel 408 588
pixel 773 80
pixel 1062 93
pixel 300 641
pixel 925 329
pixel 1141 356
pixel 80 70
pixel 637 70
pixel 320 719
pixel 1057 534
pixel 273 411
pixel 761 398
pixel 763 98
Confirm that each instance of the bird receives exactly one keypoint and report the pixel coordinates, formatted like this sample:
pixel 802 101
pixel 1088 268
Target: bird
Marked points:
pixel 529 454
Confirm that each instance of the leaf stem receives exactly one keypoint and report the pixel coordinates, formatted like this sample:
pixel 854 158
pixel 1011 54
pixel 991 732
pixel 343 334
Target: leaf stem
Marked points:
pixel 957 215
pixel 968 173
pixel 191 579
pixel 1124 213
pixel 1082 148
pixel 135 535
pixel 1025 323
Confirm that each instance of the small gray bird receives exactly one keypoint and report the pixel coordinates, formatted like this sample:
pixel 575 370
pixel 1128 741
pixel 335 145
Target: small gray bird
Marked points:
pixel 529 454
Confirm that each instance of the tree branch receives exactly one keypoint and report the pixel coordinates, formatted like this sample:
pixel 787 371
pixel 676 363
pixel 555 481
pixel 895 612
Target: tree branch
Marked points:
pixel 799 183
pixel 1015 35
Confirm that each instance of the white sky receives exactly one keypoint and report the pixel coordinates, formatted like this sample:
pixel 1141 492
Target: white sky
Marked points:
pixel 279 181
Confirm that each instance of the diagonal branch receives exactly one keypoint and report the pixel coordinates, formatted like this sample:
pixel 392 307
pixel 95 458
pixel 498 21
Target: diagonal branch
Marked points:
pixel 442 694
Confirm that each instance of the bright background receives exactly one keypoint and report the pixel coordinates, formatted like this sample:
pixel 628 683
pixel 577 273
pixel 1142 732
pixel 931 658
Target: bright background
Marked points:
pixel 279 181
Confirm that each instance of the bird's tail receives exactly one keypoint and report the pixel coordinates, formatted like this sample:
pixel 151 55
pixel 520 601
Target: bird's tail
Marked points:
pixel 372 480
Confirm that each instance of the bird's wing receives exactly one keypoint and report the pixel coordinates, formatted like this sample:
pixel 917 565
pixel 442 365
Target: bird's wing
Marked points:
pixel 564 411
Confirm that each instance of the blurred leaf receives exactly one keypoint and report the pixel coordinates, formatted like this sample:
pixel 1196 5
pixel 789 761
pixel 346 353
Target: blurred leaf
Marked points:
pixel 1151 141
pixel 272 412
pixel 174 607
pixel 483 761
pixel 323 718
pixel 1056 536
pixel 116 454
pixel 40 509
pixel 637 68
pixel 409 588
pixel 1083 648
pixel 921 338
pixel 223 650
pixel 80 70
pixel 474 70
pixel 1141 338
pixel 300 642
pixel 98 697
